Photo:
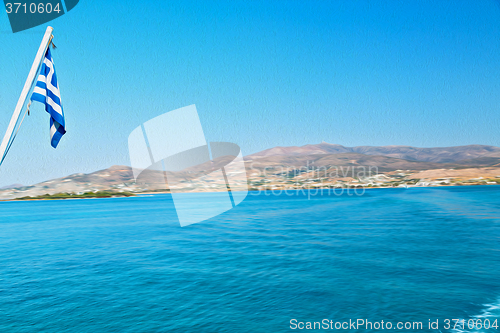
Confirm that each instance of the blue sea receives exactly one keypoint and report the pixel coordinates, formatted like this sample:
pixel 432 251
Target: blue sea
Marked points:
pixel 272 262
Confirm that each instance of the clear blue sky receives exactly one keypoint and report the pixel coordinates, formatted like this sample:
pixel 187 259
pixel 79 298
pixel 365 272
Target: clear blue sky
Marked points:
pixel 261 73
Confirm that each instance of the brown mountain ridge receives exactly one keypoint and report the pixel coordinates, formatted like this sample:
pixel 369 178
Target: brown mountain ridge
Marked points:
pixel 461 162
pixel 437 154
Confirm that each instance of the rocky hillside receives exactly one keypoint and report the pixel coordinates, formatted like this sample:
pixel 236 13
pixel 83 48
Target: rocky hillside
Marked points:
pixel 438 155
pixel 292 165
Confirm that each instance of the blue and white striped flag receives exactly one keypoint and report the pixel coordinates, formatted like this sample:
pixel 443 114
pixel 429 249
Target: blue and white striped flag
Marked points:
pixel 47 92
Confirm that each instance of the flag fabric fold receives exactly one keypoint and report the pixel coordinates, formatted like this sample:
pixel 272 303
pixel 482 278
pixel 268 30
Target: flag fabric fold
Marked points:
pixel 46 91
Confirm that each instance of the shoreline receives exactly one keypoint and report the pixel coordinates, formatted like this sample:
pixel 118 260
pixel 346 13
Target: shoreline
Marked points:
pixel 322 189
pixel 57 199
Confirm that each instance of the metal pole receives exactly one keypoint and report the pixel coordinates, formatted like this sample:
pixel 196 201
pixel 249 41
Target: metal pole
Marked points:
pixel 24 94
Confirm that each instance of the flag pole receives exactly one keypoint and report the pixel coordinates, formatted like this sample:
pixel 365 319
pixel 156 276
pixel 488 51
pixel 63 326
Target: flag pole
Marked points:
pixel 47 38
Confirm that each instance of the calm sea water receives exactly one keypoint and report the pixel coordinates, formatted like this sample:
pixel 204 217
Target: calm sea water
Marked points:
pixel 125 264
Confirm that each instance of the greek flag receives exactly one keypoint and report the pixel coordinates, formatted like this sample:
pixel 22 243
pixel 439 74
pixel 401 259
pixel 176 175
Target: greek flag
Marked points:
pixel 47 92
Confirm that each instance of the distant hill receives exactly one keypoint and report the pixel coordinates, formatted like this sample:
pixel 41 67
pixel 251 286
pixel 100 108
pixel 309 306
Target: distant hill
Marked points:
pixel 113 178
pixel 383 163
pixel 473 161
pixel 437 155
pixel 11 186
